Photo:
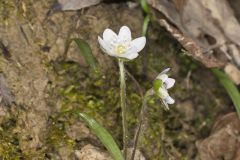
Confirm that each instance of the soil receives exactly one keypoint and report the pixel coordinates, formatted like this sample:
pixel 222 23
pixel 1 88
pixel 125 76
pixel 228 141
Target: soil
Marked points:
pixel 46 81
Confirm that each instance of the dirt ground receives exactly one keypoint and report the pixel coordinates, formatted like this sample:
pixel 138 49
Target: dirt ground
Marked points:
pixel 44 81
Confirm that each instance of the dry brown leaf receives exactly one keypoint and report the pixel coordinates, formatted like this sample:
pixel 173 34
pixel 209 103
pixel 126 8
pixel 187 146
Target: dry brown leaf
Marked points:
pixel 192 48
pixel 76 4
pixel 210 24
pixel 179 4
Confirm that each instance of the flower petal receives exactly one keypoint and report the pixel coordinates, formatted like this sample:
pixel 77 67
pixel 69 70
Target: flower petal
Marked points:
pixel 104 46
pixel 109 35
pixel 165 71
pixel 169 82
pixel 169 100
pixel 130 54
pixel 163 93
pixel 165 104
pixel 139 43
pixel 162 77
pixel 125 34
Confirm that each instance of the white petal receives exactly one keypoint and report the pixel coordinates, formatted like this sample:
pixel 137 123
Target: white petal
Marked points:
pixel 139 43
pixel 162 77
pixel 131 54
pixel 163 93
pixel 109 35
pixel 105 47
pixel 165 71
pixel 169 100
pixel 169 82
pixel 165 104
pixel 125 33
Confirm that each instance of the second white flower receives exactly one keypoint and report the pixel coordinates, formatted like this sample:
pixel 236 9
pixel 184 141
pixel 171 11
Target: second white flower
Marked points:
pixel 161 86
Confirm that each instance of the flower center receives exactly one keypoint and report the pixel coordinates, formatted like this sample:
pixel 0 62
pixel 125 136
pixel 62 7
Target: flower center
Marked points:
pixel 120 49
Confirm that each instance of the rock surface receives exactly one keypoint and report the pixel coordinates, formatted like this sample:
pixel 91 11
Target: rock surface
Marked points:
pixel 223 143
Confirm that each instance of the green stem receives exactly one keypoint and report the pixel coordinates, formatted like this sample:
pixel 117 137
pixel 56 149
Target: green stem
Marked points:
pixel 141 120
pixel 123 106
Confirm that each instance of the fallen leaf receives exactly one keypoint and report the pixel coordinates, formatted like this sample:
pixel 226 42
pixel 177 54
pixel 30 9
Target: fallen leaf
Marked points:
pixel 192 48
pixel 209 24
pixel 76 4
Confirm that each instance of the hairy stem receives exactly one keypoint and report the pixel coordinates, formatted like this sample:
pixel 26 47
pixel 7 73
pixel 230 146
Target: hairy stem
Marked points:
pixel 123 107
pixel 141 120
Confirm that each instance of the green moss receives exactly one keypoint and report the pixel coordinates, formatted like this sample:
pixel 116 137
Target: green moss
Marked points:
pixel 57 137
pixel 9 141
pixel 25 11
pixel 6 9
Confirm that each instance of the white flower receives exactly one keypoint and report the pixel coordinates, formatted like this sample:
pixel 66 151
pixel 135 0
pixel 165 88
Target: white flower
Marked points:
pixel 121 45
pixel 161 86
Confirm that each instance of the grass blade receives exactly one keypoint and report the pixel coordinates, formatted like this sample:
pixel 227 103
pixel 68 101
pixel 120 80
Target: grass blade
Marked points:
pixel 230 88
pixel 103 135
pixel 145 6
pixel 145 25
pixel 86 52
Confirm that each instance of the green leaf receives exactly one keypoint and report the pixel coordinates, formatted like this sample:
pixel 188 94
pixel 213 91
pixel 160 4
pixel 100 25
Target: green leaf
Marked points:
pixel 104 136
pixel 145 6
pixel 230 88
pixel 86 52
pixel 145 25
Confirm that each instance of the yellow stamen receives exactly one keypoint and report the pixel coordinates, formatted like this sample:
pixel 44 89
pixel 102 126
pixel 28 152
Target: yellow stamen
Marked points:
pixel 120 49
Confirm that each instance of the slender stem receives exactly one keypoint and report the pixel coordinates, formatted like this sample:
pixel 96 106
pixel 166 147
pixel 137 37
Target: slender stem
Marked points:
pixel 123 106
pixel 140 123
